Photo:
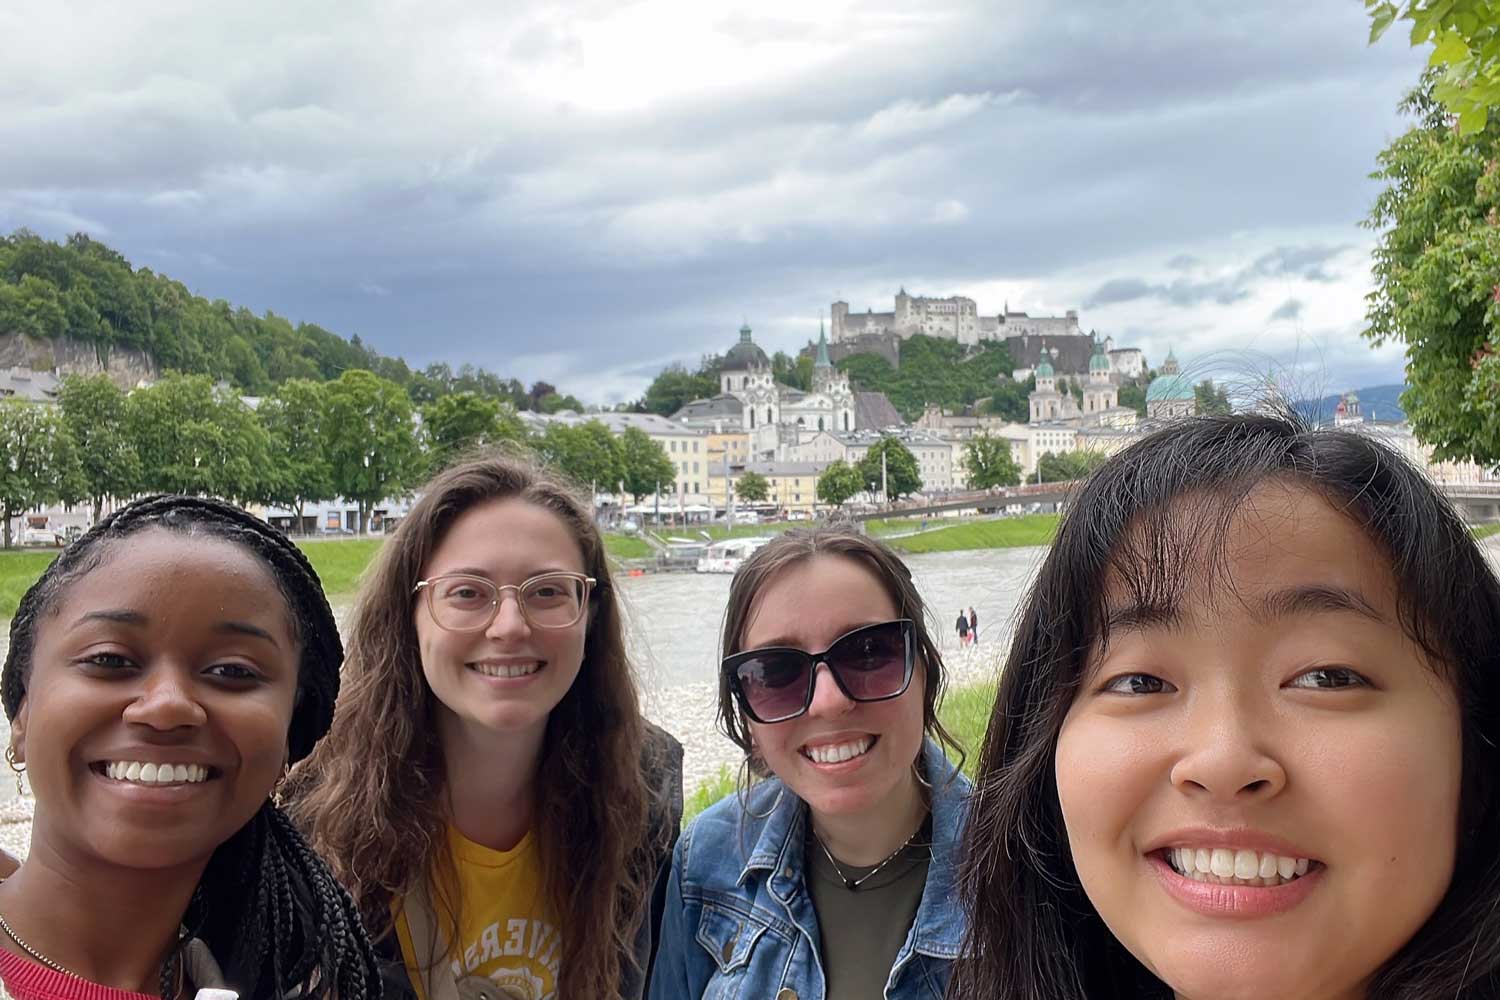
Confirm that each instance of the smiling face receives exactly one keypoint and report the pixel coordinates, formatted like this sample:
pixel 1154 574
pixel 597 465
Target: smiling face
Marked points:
pixel 1261 787
pixel 160 693
pixel 808 605
pixel 510 676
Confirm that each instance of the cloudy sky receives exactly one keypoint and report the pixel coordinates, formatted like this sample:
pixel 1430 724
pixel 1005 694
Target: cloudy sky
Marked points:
pixel 586 190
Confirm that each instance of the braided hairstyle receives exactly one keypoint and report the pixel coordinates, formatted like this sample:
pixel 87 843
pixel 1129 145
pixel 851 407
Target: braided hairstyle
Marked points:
pixel 268 908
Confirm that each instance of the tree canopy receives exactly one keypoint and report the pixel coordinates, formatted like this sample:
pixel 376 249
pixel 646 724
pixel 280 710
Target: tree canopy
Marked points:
pixel 1466 37
pixel 1436 267
pixel 990 462
pixel 934 371
pixel 752 486
pixel 839 482
pixel 83 289
pixel 902 474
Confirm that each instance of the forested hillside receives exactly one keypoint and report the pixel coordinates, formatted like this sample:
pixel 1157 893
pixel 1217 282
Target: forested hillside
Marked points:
pixel 85 290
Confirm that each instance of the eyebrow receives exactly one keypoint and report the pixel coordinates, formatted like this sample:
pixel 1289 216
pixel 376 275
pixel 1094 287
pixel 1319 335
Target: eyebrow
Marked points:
pixel 121 616
pixel 1315 599
pixel 485 574
pixel 783 641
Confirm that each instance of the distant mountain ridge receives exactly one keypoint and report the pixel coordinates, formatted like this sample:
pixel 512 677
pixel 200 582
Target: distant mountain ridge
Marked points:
pixel 1377 402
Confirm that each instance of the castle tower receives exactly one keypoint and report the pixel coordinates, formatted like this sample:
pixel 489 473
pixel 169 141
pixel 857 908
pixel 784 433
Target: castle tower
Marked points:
pixel 1101 393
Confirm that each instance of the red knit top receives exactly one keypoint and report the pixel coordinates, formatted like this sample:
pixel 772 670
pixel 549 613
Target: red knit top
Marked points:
pixel 28 980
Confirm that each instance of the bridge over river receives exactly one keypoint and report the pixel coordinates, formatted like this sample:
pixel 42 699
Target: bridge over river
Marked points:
pixel 1477 503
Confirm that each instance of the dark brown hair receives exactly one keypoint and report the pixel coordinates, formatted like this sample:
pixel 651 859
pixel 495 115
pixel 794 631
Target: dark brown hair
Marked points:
pixel 1155 517
pixel 380 818
pixel 798 546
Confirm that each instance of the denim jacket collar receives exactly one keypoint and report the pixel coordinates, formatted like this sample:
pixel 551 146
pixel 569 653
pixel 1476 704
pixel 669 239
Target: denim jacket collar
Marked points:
pixel 779 849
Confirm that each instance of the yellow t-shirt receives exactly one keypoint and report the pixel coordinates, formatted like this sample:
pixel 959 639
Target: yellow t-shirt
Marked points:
pixel 507 933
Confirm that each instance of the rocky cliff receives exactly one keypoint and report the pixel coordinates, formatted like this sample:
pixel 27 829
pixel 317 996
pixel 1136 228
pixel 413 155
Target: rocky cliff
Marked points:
pixel 126 367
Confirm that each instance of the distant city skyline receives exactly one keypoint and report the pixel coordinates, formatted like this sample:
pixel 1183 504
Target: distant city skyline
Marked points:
pixel 583 193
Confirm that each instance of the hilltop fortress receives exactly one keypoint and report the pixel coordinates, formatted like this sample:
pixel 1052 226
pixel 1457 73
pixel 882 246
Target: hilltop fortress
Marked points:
pixel 1058 340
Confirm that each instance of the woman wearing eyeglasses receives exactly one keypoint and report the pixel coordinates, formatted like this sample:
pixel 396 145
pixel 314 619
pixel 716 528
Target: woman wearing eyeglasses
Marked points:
pixel 831 877
pixel 489 792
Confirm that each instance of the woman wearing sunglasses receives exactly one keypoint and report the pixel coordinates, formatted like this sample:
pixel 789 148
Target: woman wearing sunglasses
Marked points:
pixel 831 877
pixel 489 792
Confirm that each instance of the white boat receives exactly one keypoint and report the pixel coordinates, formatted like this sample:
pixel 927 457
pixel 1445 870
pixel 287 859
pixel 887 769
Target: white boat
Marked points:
pixel 727 556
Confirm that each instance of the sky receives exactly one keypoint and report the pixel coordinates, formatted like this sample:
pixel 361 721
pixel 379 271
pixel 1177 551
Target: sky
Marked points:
pixel 584 191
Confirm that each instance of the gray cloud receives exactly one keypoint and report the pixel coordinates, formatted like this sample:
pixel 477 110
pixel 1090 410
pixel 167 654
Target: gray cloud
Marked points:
pixel 1289 310
pixel 459 159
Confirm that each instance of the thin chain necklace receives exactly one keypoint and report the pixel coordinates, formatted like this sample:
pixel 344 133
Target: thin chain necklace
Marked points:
pixel 43 960
pixel 854 883
pixel 37 956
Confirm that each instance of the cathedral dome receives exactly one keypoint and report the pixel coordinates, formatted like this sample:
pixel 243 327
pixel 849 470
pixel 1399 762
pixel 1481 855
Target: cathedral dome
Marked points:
pixel 1099 363
pixel 745 356
pixel 1044 369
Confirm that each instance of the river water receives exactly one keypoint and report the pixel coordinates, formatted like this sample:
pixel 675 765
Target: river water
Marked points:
pixel 672 624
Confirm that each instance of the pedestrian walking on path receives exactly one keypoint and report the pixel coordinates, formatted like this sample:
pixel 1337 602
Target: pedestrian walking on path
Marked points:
pixel 973 626
pixel 963 628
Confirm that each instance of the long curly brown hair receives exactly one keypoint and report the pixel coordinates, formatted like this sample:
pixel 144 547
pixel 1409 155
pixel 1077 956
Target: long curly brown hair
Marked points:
pixel 371 798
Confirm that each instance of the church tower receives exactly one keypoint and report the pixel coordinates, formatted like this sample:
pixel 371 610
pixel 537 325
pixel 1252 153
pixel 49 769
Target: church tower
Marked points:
pixel 1100 394
pixel 833 384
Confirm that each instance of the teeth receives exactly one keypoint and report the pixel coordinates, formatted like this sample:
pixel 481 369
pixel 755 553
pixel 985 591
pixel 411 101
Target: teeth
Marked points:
pixel 156 774
pixel 1225 866
pixel 837 753
pixel 507 670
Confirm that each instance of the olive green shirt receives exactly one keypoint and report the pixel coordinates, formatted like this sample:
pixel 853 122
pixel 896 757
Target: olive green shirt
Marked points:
pixel 863 929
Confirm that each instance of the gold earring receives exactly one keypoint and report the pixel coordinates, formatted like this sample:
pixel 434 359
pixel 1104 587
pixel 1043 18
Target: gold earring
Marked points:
pixel 18 767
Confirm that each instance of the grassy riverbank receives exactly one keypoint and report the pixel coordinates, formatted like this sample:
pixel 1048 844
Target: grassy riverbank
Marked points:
pixel 997 533
pixel 1484 531
pixel 339 565
pixel 965 713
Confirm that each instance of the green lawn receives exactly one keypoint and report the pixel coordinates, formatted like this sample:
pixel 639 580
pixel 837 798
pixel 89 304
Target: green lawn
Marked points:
pixel 897 525
pixel 1000 533
pixel 627 547
pixel 18 571
pixel 339 564
pixel 1482 531
pixel 965 713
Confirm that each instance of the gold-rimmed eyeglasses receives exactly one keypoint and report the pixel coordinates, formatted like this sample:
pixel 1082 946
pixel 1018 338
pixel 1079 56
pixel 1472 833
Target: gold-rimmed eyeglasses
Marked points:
pixel 459 602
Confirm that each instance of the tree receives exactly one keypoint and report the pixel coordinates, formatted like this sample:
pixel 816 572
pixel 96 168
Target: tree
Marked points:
pixel 38 461
pixel 538 392
pixel 1436 265
pixel 1010 401
pixel 674 388
pixel 463 421
pixel 1133 395
pixel 990 462
pixel 191 438
pixel 370 440
pixel 838 483
pixel 1211 401
pixel 752 486
pixel 1068 466
pixel 293 418
pixel 1467 37
pixel 93 411
pixel 643 463
pixel 901 473
pixel 584 453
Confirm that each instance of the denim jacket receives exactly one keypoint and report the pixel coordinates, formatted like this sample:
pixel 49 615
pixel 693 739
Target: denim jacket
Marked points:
pixel 741 926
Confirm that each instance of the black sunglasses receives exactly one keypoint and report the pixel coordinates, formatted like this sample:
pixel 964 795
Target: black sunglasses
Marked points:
pixel 871 663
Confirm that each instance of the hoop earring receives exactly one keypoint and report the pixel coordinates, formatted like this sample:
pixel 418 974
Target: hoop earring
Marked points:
pixel 19 768
pixel 916 770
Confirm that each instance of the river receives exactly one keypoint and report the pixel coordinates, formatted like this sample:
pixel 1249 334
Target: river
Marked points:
pixel 672 624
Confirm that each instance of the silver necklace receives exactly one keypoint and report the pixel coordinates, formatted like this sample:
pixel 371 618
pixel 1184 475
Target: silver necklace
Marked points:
pixel 854 883
pixel 33 953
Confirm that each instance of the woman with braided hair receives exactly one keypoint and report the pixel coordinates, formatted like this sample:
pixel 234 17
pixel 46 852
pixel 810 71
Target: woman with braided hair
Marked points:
pixel 490 792
pixel 162 674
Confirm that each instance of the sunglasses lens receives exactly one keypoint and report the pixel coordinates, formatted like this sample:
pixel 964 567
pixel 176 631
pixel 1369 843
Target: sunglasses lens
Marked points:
pixel 773 683
pixel 872 661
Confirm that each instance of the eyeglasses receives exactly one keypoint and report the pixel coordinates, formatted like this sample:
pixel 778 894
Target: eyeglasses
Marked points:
pixel 462 603
pixel 872 663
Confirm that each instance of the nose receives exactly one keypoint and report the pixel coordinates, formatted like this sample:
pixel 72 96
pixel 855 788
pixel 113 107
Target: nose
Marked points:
pixel 166 701
pixel 509 621
pixel 1228 755
pixel 828 700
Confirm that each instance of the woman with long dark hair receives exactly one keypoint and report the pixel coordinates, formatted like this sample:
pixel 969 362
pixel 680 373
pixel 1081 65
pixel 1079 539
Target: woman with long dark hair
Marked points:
pixel 1247 740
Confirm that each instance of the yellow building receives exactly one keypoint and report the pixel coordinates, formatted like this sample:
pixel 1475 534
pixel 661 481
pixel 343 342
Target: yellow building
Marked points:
pixel 731 448
pixel 793 486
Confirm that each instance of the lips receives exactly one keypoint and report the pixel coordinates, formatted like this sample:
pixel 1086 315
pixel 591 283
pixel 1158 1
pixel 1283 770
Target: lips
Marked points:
pixel 839 751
